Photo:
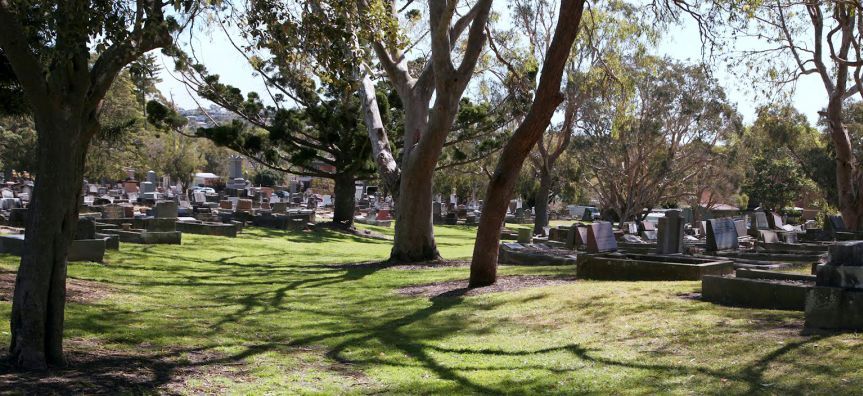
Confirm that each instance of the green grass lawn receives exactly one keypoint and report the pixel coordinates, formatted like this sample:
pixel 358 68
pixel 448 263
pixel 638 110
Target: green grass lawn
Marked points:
pixel 274 312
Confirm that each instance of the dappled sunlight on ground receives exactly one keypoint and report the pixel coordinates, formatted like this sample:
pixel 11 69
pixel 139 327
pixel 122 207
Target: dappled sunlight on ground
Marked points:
pixel 280 312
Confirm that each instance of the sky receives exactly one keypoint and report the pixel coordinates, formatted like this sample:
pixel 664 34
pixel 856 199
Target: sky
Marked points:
pixel 680 42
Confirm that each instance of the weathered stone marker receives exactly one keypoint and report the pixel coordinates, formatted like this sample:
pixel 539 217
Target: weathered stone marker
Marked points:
pixel 836 301
pixel 600 238
pixel 834 224
pixel 774 220
pixel 769 236
pixel 741 227
pixel 524 235
pixel 670 236
pixel 759 222
pixel 721 234
pixel 165 210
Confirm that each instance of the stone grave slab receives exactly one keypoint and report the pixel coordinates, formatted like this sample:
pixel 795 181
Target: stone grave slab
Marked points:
pixel 670 233
pixel 600 237
pixel 721 235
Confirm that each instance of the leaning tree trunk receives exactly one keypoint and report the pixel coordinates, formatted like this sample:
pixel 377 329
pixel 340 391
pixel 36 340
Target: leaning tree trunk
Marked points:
pixel 387 167
pixel 344 202
pixel 541 205
pixel 848 175
pixel 483 266
pixel 40 286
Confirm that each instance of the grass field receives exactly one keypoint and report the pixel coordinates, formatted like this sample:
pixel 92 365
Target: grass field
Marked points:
pixel 280 313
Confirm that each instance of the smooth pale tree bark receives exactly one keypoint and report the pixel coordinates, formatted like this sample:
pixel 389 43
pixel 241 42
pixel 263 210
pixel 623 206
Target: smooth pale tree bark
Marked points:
pixel 483 269
pixel 387 167
pixel 426 129
pixel 66 95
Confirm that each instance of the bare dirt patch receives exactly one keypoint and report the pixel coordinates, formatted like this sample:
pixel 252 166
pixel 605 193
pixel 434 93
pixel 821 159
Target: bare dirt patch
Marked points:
pixel 459 288
pixel 78 291
pixel 93 369
pixel 689 296
pixel 376 265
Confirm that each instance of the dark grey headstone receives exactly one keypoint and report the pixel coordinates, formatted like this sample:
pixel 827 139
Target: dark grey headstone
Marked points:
pixel 600 238
pixel 721 234
pixel 86 228
pixel 670 234
pixel 835 223
pixel 759 221
pixel 524 235
pixel 165 210
pixel 849 253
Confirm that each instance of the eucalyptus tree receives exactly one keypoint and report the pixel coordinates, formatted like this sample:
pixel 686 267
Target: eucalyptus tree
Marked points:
pixel 545 101
pixel 50 46
pixel 648 142
pixel 814 37
pixel 430 89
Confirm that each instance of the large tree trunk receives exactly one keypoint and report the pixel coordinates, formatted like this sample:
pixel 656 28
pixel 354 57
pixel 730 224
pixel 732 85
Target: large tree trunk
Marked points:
pixel 848 176
pixel 40 286
pixel 344 202
pixel 541 205
pixel 414 230
pixel 483 267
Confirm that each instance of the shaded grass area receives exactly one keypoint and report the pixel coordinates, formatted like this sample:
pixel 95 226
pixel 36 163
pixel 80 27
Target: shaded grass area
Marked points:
pixel 288 312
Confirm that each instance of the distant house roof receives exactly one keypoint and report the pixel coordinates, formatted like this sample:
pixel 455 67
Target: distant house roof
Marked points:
pixel 206 175
pixel 724 207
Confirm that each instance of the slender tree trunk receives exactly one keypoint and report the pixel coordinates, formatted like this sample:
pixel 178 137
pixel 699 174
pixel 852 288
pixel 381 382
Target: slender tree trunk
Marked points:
pixel 848 176
pixel 40 286
pixel 541 206
pixel 483 267
pixel 344 202
pixel 387 167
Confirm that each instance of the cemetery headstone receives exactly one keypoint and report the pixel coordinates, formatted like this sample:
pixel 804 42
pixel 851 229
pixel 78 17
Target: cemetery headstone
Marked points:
pixel 165 210
pixel 112 212
pixel 721 234
pixel 741 227
pixel 151 177
pixel 649 235
pixel 244 205
pixel 86 229
pixel 760 221
pixel 670 233
pixel 769 236
pixel 835 224
pixel 524 235
pixel 774 220
pixel 600 237
pixel 148 187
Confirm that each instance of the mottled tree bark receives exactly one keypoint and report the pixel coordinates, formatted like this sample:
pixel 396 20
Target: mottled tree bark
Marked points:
pixel 541 205
pixel 66 104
